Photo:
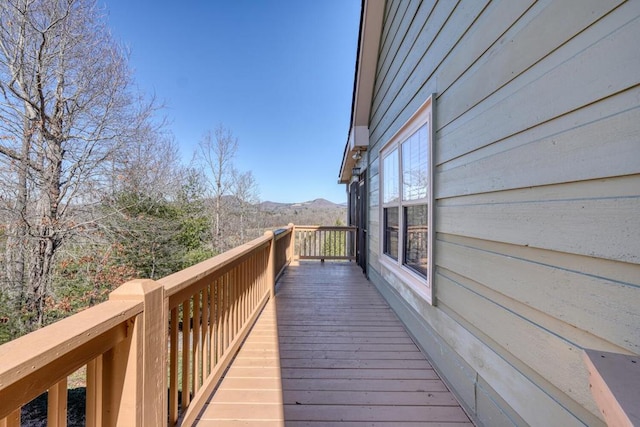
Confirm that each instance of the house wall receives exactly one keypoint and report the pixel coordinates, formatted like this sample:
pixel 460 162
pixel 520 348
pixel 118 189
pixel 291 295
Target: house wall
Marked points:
pixel 537 188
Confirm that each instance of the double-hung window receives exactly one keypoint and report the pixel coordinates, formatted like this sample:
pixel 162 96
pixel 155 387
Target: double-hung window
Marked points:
pixel 406 214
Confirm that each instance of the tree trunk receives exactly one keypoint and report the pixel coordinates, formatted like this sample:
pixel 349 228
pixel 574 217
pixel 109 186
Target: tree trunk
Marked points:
pixel 49 238
pixel 217 237
pixel 38 281
pixel 17 242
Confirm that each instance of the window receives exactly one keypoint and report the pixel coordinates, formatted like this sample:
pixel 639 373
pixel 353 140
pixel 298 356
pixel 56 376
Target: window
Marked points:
pixel 391 193
pixel 406 213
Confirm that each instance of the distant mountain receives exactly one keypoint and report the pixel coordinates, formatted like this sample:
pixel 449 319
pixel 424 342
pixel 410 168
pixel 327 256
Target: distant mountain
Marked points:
pixel 315 204
pixel 312 212
pixel 272 205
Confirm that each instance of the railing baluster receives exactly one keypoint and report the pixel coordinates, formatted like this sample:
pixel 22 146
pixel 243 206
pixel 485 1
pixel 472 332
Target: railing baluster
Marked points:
pixel 204 359
pixel 236 282
pixel 238 296
pixel 242 284
pixel 261 286
pixel 93 410
pixel 232 291
pixel 256 280
pixel 195 366
pixel 245 286
pixel 173 368
pixel 57 405
pixel 186 347
pixel 212 325
pixel 232 309
pixel 245 292
pixel 225 310
pixel 12 420
pixel 219 318
pixel 232 306
pixel 247 306
pixel 239 286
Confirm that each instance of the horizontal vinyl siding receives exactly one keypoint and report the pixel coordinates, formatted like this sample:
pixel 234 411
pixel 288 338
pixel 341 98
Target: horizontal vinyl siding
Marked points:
pixel 537 189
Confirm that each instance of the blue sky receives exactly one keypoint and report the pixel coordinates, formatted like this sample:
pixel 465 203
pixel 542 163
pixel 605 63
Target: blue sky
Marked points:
pixel 278 73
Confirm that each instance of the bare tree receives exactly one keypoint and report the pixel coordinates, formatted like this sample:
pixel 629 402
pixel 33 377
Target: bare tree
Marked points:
pixel 244 190
pixel 216 152
pixel 150 167
pixel 66 108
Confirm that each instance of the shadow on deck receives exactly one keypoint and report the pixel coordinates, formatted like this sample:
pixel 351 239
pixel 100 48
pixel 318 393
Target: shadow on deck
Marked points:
pixel 330 351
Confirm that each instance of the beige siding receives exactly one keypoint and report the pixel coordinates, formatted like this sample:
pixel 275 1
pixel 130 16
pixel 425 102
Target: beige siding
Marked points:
pixel 537 190
pixel 605 144
pixel 594 226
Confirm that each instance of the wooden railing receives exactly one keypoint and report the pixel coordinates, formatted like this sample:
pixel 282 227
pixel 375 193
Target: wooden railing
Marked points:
pixel 109 337
pixel 192 321
pixel 322 242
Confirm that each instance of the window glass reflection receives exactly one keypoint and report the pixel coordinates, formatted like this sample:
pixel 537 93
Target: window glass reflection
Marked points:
pixel 415 238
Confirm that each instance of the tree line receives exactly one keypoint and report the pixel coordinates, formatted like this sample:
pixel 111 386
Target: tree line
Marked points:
pixel 92 189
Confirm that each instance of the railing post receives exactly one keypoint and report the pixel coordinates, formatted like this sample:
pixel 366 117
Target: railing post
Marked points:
pixel 292 242
pixel 271 270
pixel 134 384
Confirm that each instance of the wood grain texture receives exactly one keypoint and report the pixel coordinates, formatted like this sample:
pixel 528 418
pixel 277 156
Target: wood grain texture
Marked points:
pixel 614 380
pixel 330 350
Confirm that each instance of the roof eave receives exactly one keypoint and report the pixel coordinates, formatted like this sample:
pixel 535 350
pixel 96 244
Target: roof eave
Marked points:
pixel 368 47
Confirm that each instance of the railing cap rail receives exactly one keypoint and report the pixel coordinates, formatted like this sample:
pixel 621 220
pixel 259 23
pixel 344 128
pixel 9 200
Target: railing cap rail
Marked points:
pixel 29 353
pixel 176 282
pixel 281 232
pixel 325 227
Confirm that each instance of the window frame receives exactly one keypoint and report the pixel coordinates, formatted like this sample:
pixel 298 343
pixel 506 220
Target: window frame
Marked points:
pixel 422 285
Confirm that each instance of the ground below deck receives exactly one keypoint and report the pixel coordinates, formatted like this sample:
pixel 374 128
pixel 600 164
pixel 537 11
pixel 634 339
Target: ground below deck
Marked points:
pixel 330 351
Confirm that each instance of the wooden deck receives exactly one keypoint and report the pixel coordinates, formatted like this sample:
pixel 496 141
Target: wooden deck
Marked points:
pixel 330 351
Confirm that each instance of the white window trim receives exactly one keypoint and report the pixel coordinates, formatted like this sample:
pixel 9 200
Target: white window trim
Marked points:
pixel 421 286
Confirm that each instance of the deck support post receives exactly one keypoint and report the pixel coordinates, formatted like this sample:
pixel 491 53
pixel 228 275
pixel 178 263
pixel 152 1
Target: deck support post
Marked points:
pixel 134 382
pixel 271 264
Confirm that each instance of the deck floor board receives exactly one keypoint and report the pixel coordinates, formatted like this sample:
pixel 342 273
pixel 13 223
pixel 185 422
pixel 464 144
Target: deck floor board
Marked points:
pixel 329 351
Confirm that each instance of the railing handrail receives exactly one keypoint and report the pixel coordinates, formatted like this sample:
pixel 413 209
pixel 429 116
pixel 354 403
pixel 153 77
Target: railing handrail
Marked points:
pixel 182 280
pixel 279 233
pixel 325 227
pixel 30 354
